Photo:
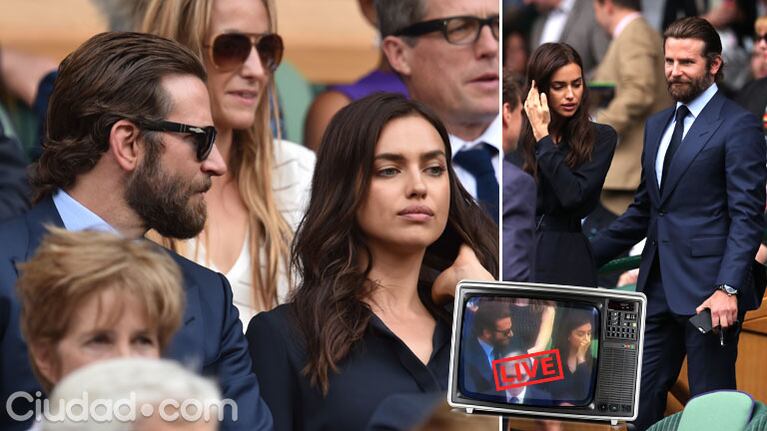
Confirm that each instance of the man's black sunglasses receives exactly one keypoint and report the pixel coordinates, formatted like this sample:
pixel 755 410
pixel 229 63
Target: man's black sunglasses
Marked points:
pixel 204 137
pixel 458 30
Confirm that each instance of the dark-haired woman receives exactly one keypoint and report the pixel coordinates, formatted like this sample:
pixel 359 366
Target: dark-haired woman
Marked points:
pixel 362 343
pixel 573 340
pixel 569 157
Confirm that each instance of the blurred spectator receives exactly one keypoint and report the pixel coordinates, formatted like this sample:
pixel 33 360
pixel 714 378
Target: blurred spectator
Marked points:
pixel 517 24
pixel 519 192
pixel 14 187
pixel 30 77
pixel 753 96
pixel 534 323
pixel 335 97
pixel 161 396
pixel 452 66
pixel 758 64
pixel 634 65
pixel 571 22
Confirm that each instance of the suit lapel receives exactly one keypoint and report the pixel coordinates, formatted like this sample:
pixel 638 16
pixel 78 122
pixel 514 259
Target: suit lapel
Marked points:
pixel 700 132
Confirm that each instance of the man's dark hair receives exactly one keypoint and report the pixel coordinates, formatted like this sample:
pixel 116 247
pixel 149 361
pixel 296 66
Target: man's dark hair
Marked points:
pixel 512 94
pixel 488 313
pixel 698 28
pixel 626 4
pixel 394 15
pixel 112 76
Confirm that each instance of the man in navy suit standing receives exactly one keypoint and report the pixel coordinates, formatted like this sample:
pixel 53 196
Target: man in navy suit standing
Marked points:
pixel 700 205
pixel 130 147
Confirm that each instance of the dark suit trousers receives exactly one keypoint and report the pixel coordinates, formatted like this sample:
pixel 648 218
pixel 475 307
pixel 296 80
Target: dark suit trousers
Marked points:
pixel 668 338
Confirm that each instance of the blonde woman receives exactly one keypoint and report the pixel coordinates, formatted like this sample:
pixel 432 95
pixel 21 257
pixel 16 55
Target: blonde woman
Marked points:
pixel 254 208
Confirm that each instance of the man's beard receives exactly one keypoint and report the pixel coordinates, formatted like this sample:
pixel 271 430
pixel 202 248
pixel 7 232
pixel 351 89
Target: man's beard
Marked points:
pixel 164 202
pixel 689 90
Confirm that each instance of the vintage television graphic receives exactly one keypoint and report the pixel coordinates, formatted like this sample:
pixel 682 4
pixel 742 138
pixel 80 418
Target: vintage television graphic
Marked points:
pixel 547 350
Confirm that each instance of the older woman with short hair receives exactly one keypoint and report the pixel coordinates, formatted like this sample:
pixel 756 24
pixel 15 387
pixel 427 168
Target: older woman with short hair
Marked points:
pixel 89 296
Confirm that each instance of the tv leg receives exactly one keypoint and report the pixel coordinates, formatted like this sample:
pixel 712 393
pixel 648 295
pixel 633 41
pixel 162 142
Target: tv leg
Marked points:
pixel 469 410
pixel 613 422
pixel 503 423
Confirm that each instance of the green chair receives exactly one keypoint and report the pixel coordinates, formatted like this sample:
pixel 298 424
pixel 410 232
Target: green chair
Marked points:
pixel 717 411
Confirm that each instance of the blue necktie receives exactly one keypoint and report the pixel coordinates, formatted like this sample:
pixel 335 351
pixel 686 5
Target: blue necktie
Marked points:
pixel 676 140
pixel 514 400
pixel 479 162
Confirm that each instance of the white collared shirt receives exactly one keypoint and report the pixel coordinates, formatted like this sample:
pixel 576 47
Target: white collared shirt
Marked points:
pixel 555 22
pixel 520 396
pixel 695 107
pixel 492 137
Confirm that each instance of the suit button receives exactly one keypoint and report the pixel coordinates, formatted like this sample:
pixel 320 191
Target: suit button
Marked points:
pixel 654 242
pixel 662 213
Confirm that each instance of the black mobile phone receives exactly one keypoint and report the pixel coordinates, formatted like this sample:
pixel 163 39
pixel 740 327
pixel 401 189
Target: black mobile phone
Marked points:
pixel 702 321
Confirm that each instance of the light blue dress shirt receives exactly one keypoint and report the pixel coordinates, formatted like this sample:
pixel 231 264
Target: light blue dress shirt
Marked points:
pixel 77 217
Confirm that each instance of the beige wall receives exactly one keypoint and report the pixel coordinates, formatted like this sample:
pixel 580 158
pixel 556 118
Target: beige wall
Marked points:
pixel 328 40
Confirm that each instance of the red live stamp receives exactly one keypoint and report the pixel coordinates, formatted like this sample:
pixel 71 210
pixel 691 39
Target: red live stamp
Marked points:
pixel 528 369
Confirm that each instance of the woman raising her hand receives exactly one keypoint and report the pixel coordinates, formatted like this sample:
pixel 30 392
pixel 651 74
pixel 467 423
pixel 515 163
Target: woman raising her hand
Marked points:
pixel 569 156
pixel 387 229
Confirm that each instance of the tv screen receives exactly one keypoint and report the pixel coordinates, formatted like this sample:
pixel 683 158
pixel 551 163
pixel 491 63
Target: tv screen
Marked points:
pixel 550 350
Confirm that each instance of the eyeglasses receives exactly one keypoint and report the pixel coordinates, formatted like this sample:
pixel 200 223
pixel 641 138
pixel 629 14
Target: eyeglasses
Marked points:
pixel 230 50
pixel 204 137
pixel 760 37
pixel 504 332
pixel 458 30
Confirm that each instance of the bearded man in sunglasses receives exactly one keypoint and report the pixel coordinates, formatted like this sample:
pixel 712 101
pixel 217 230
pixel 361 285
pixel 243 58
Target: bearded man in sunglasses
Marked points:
pixel 446 52
pixel 130 147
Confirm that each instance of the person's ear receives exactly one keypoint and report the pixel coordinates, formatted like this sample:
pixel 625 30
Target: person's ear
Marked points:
pixel 399 54
pixel 716 64
pixel 124 144
pixel 44 358
pixel 506 114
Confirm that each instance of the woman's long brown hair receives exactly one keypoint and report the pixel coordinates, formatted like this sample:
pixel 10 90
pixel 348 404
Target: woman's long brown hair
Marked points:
pixel 330 249
pixel 577 130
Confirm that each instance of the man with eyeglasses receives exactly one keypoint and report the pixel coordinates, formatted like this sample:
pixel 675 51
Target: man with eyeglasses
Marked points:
pixel 447 54
pixel 130 147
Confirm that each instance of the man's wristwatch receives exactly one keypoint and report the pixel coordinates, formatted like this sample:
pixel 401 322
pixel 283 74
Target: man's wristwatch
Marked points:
pixel 729 290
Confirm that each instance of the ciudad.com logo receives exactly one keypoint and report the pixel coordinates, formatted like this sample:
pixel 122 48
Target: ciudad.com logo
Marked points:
pixel 130 409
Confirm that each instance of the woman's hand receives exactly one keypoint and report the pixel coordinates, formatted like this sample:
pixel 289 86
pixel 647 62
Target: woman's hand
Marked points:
pixel 465 266
pixel 537 110
pixel 583 347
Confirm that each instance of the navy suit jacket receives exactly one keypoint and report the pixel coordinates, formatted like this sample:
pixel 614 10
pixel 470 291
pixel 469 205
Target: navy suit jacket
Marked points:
pixel 477 375
pixel 210 339
pixel 707 223
pixel 519 198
